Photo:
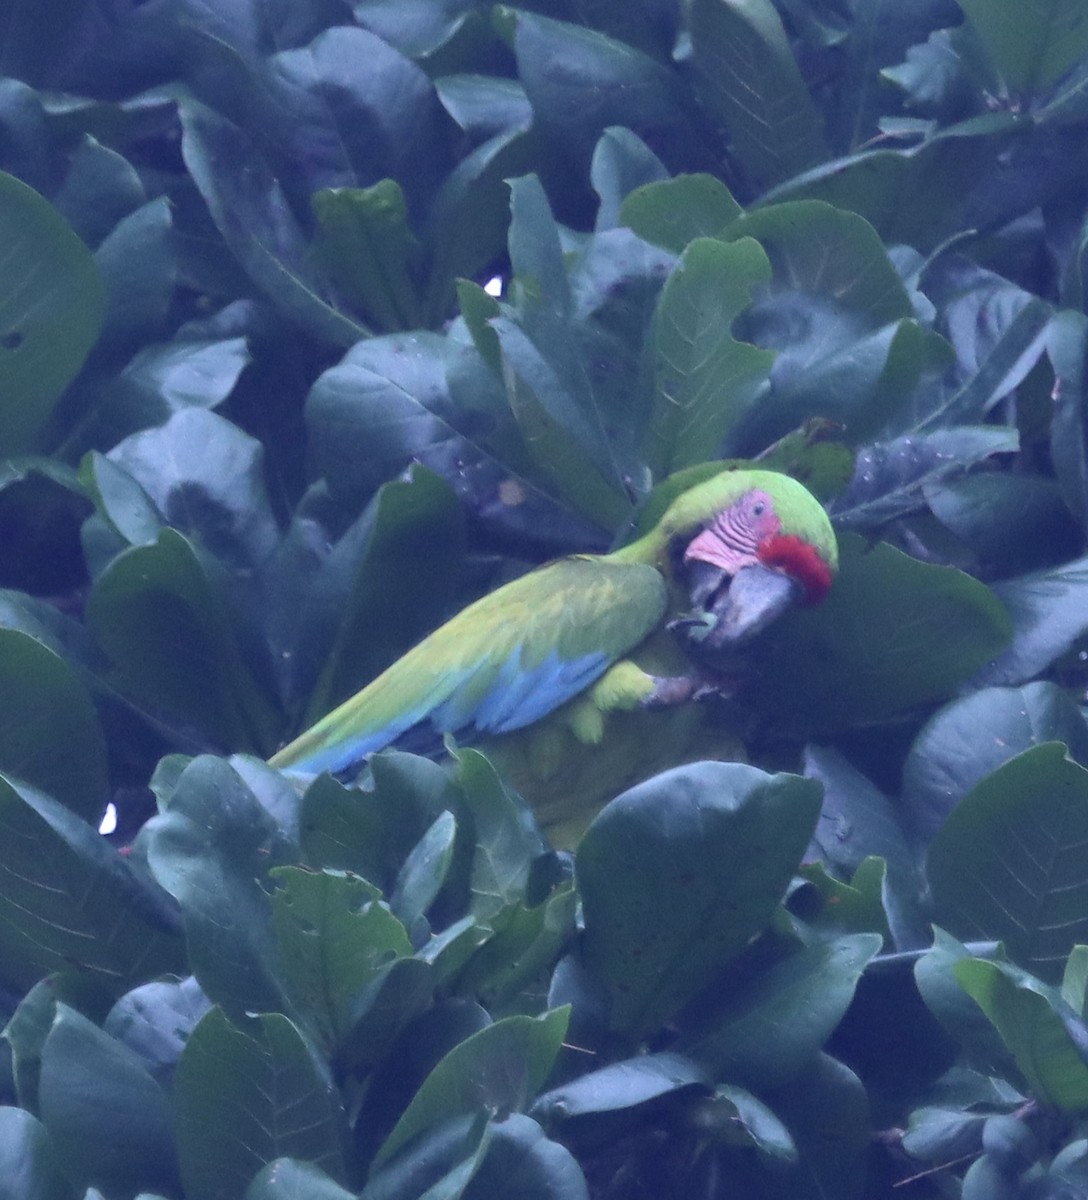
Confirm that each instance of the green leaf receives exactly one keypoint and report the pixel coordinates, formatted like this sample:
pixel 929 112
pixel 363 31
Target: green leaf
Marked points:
pixel 424 874
pixel 705 380
pixel 367 247
pixel 51 313
pixel 748 80
pixel 468 224
pixel 391 579
pixel 891 476
pixel 155 1021
pixel 973 736
pixel 211 849
pixel 1023 1013
pixel 621 164
pixel 137 262
pixel 679 874
pixel 1007 863
pixel 248 206
pixel 507 841
pixel 619 1085
pixel 384 405
pixel 67 898
pixel 1048 616
pixel 536 255
pixel 523 1164
pixel 333 125
pixel 100 189
pixel 823 250
pixel 857 821
pixel 499 1069
pixel 1030 47
pixel 1067 348
pixel 581 82
pixel 289 1179
pixel 334 941
pixel 674 212
pixel 49 731
pixel 249 1092
pixel 110 1122
pixel 893 634
pixel 771 1029
pixel 1013 523
pixel 120 500
pixel 163 616
pixel 939 986
pixel 826 1110
pixel 371 831
pixel 568 447
pixel 28 1160
pixel 437 1165
pixel 206 478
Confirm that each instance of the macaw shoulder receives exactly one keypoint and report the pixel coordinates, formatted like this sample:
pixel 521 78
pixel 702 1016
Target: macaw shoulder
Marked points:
pixel 569 607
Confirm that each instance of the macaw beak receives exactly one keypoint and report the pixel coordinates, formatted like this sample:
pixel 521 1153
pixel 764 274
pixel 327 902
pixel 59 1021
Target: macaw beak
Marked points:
pixel 756 597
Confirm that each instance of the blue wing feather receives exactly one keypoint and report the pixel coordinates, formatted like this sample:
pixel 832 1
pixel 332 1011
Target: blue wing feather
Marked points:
pixel 501 664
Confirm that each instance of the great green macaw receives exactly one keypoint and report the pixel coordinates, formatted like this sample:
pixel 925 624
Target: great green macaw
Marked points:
pixel 538 668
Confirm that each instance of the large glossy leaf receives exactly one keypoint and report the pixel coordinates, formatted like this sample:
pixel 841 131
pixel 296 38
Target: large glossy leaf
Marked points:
pixel 679 873
pixel 827 1111
pixel 205 476
pixel 1022 1010
pixel 962 743
pixel 256 223
pixel 288 1178
pixel 248 1092
pixel 397 570
pixel 704 379
pixel 500 1069
pixel 894 633
pixel 944 995
pixel 111 1123
pixel 580 82
pixel 1048 616
pixel 155 1021
pixel 1030 50
pixel 162 612
pixel 50 735
pixel 211 849
pixel 748 79
pixel 891 476
pixel 68 899
pixel 138 267
pixel 857 821
pixel 367 246
pixel 28 1160
pixel 523 1164
pixel 350 127
pixel 334 941
pixel 772 1028
pixel 51 314
pixel 1007 863
pixel 674 212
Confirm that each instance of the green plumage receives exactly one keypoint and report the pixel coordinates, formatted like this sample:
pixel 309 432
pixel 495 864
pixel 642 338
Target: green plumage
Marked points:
pixel 535 668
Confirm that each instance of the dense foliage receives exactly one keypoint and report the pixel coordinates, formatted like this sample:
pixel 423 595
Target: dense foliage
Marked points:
pixel 263 426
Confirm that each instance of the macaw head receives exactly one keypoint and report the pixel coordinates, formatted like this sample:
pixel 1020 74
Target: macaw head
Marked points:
pixel 751 545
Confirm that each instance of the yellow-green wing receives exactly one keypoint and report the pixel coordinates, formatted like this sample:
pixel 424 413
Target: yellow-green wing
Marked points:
pixel 502 663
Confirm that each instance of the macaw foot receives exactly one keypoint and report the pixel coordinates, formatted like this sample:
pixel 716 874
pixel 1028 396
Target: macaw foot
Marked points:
pixel 682 689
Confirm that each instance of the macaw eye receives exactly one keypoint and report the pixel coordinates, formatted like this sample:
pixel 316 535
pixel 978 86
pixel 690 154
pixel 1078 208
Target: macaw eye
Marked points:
pixel 758 508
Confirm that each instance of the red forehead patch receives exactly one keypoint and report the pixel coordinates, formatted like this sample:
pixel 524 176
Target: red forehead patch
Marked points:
pixel 801 560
